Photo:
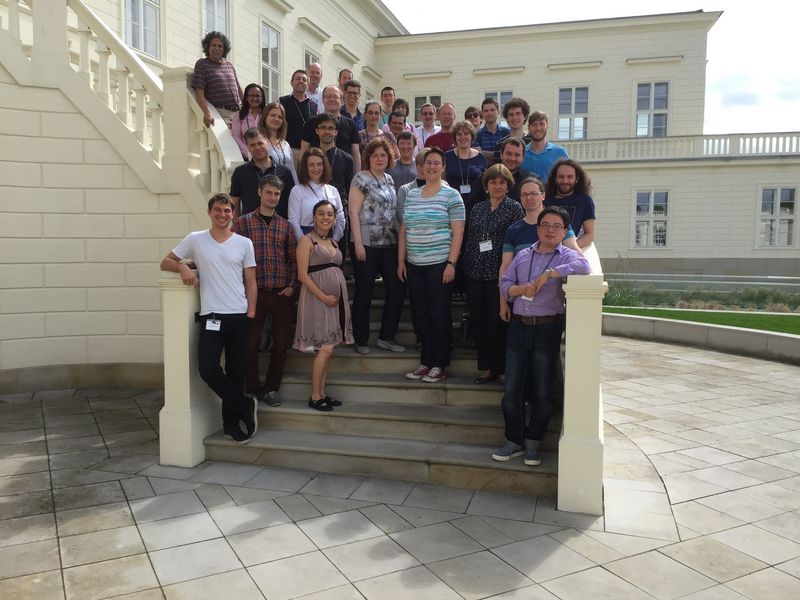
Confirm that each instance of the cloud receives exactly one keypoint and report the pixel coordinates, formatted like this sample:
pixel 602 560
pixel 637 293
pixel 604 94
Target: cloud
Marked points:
pixel 739 99
pixel 788 90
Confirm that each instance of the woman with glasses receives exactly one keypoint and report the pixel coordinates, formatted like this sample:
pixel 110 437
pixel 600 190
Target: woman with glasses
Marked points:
pixel 483 248
pixel 473 115
pixel 273 124
pixel 427 251
pixel 371 131
pixel 248 116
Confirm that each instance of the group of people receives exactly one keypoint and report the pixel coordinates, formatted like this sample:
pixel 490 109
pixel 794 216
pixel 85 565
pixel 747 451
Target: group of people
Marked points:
pixel 498 212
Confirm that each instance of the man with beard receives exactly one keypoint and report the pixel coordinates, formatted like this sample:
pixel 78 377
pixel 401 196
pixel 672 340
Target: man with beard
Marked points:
pixel 346 135
pixel 569 188
pixel 245 178
pixel 341 162
pixel 541 155
pixel 299 109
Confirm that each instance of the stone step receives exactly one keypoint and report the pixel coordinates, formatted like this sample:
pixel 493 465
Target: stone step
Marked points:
pixel 394 388
pixel 443 463
pixel 393 364
pixel 478 424
pixel 457 309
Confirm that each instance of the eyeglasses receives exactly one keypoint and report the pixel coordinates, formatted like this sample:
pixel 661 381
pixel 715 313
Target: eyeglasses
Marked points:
pixel 427 114
pixel 551 226
pixel 432 163
pixel 473 115
pixel 352 93
pixel 530 194
pixel 255 96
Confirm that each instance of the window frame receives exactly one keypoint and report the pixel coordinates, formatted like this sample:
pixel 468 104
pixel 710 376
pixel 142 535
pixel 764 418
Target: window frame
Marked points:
pixel 271 93
pixel 428 98
pixel 206 10
pixel 650 219
pixel 138 44
pixel 309 53
pixel 652 111
pixel 776 217
pixel 573 115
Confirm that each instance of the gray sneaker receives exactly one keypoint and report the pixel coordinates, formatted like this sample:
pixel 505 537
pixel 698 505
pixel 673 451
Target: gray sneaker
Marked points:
pixel 532 458
pixel 507 452
pixel 362 349
pixel 390 345
pixel 271 399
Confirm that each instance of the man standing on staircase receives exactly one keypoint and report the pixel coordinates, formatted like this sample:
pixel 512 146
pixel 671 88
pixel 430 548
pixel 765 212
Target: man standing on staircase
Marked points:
pixel 214 80
pixel 534 281
pixel 276 276
pixel 226 271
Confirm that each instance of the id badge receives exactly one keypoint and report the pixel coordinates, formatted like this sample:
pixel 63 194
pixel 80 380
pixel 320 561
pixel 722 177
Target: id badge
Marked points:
pixel 485 246
pixel 388 214
pixel 465 188
pixel 213 325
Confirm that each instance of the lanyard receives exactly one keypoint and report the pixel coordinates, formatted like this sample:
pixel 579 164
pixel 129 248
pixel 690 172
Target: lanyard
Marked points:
pixel 530 267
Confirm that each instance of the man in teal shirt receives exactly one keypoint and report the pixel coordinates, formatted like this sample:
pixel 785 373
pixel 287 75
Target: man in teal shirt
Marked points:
pixel 541 155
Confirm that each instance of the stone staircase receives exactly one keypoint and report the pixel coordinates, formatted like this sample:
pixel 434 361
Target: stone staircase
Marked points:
pixel 391 427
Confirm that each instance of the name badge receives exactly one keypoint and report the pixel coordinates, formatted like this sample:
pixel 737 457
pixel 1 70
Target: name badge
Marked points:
pixel 213 325
pixel 388 214
pixel 465 189
pixel 485 246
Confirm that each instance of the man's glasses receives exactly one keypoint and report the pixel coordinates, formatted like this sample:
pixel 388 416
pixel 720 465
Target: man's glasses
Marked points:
pixel 530 194
pixel 551 226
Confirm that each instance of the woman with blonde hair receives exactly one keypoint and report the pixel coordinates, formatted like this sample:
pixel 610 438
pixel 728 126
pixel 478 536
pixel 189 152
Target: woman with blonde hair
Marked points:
pixel 273 123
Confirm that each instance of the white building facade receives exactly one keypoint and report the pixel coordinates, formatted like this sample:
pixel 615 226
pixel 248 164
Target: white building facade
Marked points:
pixel 105 164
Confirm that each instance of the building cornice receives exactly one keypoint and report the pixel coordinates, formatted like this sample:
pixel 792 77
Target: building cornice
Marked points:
pixel 685 18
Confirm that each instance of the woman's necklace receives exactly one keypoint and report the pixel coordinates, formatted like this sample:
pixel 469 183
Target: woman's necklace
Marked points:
pixel 319 235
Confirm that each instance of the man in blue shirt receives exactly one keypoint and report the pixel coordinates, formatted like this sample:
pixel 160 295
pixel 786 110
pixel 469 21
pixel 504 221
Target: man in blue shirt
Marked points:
pixel 491 132
pixel 541 155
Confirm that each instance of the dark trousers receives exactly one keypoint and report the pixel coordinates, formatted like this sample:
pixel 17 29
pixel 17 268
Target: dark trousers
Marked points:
pixel 232 339
pixel 529 349
pixel 432 316
pixel 483 301
pixel 278 307
pixel 383 261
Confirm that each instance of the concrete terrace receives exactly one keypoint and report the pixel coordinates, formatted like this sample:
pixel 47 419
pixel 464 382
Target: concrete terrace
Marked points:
pixel 702 501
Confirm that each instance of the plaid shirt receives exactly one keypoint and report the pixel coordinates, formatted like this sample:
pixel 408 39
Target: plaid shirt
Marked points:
pixel 276 249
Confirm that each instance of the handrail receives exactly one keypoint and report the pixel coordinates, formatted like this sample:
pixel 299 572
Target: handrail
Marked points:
pixel 121 51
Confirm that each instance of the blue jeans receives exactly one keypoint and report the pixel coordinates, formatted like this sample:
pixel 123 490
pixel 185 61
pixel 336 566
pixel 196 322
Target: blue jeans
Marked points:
pixel 529 349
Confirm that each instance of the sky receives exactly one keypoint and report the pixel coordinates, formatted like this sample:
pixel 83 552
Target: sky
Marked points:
pixel 753 74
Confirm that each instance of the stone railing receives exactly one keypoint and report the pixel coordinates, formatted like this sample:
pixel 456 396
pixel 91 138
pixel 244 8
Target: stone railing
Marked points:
pixel 686 147
pixel 191 411
pixel 161 120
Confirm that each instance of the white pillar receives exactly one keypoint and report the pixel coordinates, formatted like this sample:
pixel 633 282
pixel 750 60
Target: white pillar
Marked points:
pixel 191 410
pixel 580 447
pixel 50 53
pixel 176 121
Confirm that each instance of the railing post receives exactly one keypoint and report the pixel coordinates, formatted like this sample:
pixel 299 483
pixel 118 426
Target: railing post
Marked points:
pixel 580 447
pixel 50 52
pixel 176 120
pixel 191 411
pixel 13 20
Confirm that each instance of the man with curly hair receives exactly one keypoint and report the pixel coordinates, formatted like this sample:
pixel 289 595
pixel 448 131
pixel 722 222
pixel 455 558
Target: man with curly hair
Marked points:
pixel 214 80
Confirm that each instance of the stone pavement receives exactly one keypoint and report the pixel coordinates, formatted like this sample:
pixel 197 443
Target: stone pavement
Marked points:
pixel 702 490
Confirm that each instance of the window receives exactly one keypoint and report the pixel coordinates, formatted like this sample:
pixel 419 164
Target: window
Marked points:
pixel 270 65
pixel 573 113
pixel 420 100
pixel 777 217
pixel 652 101
pixel 309 57
pixel 141 25
pixel 650 228
pixel 215 15
pixel 500 97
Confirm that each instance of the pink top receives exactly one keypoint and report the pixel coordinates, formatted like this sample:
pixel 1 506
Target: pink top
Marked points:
pixel 239 126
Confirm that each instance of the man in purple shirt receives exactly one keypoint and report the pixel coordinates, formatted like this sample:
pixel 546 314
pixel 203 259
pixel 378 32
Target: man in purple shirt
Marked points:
pixel 533 279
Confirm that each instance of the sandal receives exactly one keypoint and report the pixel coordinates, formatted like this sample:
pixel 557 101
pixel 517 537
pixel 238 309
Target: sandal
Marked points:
pixel 321 404
pixel 332 401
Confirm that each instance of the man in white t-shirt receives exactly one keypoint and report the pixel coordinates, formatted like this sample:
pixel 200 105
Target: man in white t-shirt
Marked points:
pixel 226 273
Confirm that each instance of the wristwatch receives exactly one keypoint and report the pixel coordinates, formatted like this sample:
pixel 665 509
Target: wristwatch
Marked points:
pixel 451 263
pixel 549 273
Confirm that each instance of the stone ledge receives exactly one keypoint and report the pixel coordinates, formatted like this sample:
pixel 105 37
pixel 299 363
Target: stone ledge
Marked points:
pixel 769 345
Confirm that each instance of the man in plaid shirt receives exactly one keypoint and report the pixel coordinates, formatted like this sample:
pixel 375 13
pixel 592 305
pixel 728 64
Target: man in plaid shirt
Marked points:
pixel 276 274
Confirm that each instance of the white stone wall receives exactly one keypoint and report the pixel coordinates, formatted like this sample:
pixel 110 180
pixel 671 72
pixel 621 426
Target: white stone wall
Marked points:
pixel 612 84
pixel 80 239
pixel 347 22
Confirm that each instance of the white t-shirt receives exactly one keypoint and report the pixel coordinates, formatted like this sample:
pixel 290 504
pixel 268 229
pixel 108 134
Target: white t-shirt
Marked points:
pixel 220 269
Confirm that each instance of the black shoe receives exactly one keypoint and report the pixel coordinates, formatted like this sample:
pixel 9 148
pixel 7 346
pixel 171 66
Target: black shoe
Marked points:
pixel 236 434
pixel 485 379
pixel 321 404
pixel 250 415
pixel 332 401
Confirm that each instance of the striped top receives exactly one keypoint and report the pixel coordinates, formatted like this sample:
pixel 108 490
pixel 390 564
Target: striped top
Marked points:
pixel 218 80
pixel 427 222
